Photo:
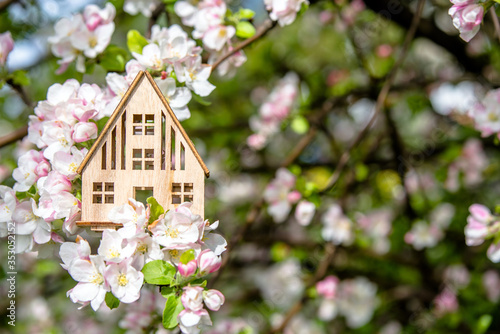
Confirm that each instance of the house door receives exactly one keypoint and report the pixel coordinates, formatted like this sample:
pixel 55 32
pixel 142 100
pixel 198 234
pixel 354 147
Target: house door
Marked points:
pixel 141 194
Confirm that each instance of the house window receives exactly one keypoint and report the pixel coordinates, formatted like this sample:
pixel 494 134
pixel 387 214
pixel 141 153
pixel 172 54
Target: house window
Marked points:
pixel 143 124
pixel 182 192
pixel 143 159
pixel 143 193
pixel 103 192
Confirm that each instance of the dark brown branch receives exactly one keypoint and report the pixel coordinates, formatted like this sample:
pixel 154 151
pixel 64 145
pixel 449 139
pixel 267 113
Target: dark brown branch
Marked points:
pixel 22 132
pixel 154 17
pixel 263 29
pixel 4 4
pixel 494 17
pixel 14 136
pixel 384 92
pixel 396 12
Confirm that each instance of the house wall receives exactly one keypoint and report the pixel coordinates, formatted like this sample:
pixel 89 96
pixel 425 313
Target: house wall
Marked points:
pixel 120 162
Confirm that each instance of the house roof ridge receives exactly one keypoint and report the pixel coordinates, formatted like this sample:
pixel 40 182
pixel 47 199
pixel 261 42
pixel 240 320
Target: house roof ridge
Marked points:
pixel 119 110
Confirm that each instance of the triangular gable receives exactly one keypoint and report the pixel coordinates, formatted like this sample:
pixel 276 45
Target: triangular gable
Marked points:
pixel 119 111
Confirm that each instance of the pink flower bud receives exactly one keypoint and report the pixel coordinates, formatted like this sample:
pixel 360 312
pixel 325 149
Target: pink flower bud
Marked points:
pixel 192 298
pixel 294 196
pixel 6 46
pixel 328 287
pixel 213 299
pixel 43 168
pixel 208 262
pixel 84 131
pixel 187 269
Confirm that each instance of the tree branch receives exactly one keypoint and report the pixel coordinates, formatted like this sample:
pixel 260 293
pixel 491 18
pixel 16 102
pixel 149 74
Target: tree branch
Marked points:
pixel 154 17
pixel 263 29
pixel 380 100
pixel 21 132
pixel 4 4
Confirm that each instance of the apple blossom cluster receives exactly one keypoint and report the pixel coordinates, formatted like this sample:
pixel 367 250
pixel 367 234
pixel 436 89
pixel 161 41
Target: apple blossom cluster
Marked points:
pixel 208 19
pixel 6 46
pixel 274 110
pixel 280 196
pixel 170 50
pixel 355 299
pixel 174 250
pixel 83 36
pixel 427 235
pixel 483 225
pixel 61 127
pixel 467 16
pixel 284 11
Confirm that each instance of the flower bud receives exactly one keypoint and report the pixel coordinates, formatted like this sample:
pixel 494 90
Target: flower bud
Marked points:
pixel 208 262
pixel 187 269
pixel 213 299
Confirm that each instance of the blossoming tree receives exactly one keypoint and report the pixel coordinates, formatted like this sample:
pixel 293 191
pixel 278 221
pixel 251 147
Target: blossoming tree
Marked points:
pixel 353 149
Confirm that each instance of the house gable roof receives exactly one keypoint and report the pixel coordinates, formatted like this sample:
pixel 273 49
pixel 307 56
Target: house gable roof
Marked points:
pixel 119 111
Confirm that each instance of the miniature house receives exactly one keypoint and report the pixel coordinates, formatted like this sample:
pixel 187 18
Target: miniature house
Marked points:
pixel 143 151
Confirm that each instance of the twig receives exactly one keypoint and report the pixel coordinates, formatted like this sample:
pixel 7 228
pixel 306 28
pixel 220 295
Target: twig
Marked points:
pixel 263 29
pixel 380 100
pixel 21 132
pixel 6 3
pixel 495 22
pixel 14 136
pixel 154 17
pixel 319 274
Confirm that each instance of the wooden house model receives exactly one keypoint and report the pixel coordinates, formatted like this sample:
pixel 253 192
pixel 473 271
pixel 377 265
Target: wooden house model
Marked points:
pixel 143 151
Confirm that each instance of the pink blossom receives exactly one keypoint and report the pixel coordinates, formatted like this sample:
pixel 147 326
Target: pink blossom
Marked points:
pixel 284 11
pixel 208 262
pixel 477 228
pixel 192 298
pixel 446 302
pixel 84 131
pixel 213 299
pixel 92 286
pixel 70 251
pixel 6 46
pixel 337 228
pixel 423 235
pixel 280 196
pixel 276 108
pixel 125 281
pixel 304 212
pixel 187 269
pixel 189 321
pixel 31 166
pixel 493 252
pixel 327 288
pixel 467 17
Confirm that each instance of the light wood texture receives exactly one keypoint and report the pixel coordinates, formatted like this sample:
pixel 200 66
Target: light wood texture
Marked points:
pixel 135 155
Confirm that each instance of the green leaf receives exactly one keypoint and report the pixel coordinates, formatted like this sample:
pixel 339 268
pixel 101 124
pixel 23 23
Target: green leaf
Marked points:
pixel 245 29
pixel 199 282
pixel 111 300
pixel 187 256
pixel 245 13
pixel 167 2
pixel 135 41
pixel 158 272
pixel 20 78
pixel 166 291
pixel 173 307
pixel 203 102
pixel 156 209
pixel 483 324
pixel 113 59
